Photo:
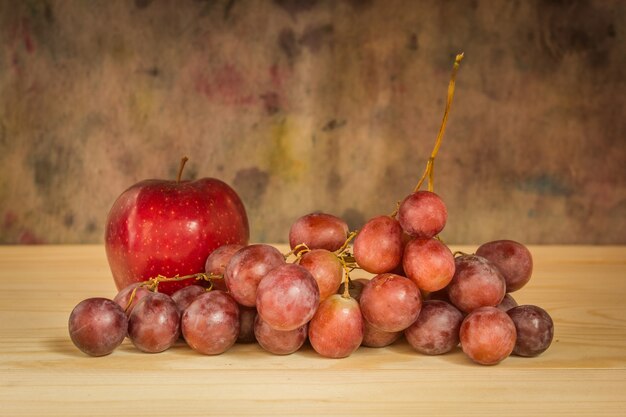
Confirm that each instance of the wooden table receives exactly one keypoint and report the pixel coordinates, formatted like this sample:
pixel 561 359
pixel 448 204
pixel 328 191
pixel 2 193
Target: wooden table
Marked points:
pixel 42 373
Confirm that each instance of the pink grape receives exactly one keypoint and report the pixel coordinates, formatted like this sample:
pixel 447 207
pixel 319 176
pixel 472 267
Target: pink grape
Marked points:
pixel 211 323
pixel 390 302
pixel 535 330
pixel 428 263
pixel 247 316
pixel 247 267
pixel 279 342
pixel 325 268
pixel 487 335
pixel 124 296
pixel 287 297
pixel 186 295
pixel 318 231
pixel 476 283
pixel 436 330
pixel 512 259
pixel 217 261
pixel 154 323
pixel 372 337
pixel 336 330
pixel 97 326
pixel 378 246
pixel 422 214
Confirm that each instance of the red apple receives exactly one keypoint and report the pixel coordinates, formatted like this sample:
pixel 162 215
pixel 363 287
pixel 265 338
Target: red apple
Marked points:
pixel 170 228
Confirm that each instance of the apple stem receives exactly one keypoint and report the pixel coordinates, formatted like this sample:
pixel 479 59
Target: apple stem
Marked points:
pixel 183 161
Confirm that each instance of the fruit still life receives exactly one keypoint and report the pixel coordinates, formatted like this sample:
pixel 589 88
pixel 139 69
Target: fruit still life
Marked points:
pixel 181 259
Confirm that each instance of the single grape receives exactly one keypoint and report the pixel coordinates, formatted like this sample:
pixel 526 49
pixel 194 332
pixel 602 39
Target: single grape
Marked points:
pixel 372 337
pixel 246 269
pixel 507 303
pixel 422 214
pixel 247 316
pixel 211 323
pixel 535 330
pixel 378 246
pixel 287 297
pixel 154 324
pixel 390 302
pixel 436 330
pixel 217 261
pixel 355 288
pixel 279 342
pixel 97 326
pixel 336 330
pixel 428 263
pixel 512 259
pixel 318 231
pixel 476 283
pixel 136 290
pixel 325 268
pixel 186 295
pixel 487 335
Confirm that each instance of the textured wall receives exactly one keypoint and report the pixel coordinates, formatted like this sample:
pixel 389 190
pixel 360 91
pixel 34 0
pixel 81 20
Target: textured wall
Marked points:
pixel 307 105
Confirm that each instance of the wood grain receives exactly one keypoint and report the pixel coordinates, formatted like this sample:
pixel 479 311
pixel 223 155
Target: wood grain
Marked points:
pixel 41 372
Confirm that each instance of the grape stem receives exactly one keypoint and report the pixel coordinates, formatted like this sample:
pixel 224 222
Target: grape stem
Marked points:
pixel 298 250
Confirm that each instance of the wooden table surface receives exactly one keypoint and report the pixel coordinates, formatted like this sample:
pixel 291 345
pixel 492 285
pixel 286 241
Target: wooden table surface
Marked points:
pixel 42 373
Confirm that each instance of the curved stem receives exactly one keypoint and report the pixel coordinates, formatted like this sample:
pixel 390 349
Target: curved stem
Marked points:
pixel 182 166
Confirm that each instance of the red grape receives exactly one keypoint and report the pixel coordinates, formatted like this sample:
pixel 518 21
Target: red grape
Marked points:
pixel 372 337
pixel 336 330
pixel 487 335
pixel 186 295
pixel 211 323
pixel 279 342
pixel 154 324
pixel 436 330
pixel 97 326
pixel 422 214
pixel 217 261
pixel 535 330
pixel 325 268
pixel 287 297
pixel 512 259
pixel 428 263
pixel 390 302
pixel 507 303
pixel 247 315
pixel 378 246
pixel 246 269
pixel 123 297
pixel 318 231
pixel 476 283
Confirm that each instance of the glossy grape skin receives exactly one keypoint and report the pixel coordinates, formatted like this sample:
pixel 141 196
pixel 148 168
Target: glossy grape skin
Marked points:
pixel 247 267
pixel 216 263
pixel 390 302
pixel 211 323
pixel 378 246
pixel 325 268
pixel 512 259
pixel 318 231
pixel 247 316
pixel 287 297
pixel 428 263
pixel 154 323
pixel 507 303
pixel 123 297
pixel 97 326
pixel 279 342
pixel 476 283
pixel 374 338
pixel 355 288
pixel 535 330
pixel 336 330
pixel 487 335
pixel 186 295
pixel 436 330
pixel 422 214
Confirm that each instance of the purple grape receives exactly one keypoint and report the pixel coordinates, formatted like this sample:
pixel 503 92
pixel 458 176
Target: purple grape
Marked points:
pixel 97 326
pixel 154 324
pixel 535 330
